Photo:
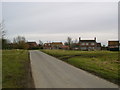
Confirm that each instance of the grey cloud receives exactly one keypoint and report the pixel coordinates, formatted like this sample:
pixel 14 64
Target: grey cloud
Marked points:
pixel 54 18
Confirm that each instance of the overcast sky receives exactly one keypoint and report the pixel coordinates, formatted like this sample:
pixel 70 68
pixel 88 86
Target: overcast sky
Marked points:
pixel 55 21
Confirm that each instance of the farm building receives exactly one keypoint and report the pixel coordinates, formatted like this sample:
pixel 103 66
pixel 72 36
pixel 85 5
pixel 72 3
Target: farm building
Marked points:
pixel 47 46
pixel 32 45
pixel 53 45
pixel 65 47
pixel 56 45
pixel 113 45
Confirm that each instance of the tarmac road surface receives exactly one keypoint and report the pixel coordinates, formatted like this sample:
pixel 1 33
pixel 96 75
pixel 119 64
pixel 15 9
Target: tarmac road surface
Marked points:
pixel 49 72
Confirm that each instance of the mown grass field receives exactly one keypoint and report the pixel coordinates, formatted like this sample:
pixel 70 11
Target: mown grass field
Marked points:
pixel 104 64
pixel 16 69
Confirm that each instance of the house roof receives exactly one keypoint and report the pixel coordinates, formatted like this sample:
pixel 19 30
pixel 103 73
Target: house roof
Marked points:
pixel 47 43
pixel 113 43
pixel 87 41
pixel 31 42
pixel 57 43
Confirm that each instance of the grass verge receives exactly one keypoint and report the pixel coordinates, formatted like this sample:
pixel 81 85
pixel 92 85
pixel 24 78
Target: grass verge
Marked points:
pixel 16 72
pixel 104 64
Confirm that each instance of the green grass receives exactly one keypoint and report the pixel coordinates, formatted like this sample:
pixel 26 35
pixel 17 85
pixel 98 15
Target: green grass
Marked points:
pixel 14 68
pixel 0 69
pixel 102 63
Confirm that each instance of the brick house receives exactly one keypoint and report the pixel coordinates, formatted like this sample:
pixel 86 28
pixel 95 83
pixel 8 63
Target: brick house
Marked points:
pixel 89 45
pixel 113 45
pixel 56 45
pixel 53 45
pixel 47 46
pixel 32 45
pixel 65 47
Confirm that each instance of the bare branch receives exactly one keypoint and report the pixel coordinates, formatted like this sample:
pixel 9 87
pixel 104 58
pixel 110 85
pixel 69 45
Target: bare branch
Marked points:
pixel 2 29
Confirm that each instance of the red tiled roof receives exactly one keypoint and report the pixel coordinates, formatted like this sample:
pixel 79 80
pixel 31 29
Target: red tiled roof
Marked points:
pixel 57 43
pixel 113 43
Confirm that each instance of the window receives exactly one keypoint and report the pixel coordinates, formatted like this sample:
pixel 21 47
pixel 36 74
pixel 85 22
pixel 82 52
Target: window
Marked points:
pixel 83 48
pixel 86 43
pixel 83 44
pixel 92 43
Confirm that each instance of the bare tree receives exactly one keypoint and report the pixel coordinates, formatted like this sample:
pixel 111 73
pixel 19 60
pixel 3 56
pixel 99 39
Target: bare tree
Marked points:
pixel 19 39
pixel 20 42
pixel 75 41
pixel 69 42
pixel 2 36
pixel 40 42
pixel 2 30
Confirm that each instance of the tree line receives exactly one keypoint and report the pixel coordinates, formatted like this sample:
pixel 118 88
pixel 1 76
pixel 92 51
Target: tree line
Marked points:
pixel 20 42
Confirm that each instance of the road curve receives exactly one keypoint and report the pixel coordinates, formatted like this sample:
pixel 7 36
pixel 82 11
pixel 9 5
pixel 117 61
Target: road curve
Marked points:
pixel 49 72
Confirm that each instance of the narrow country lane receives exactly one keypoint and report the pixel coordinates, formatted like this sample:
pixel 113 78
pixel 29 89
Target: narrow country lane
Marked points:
pixel 49 72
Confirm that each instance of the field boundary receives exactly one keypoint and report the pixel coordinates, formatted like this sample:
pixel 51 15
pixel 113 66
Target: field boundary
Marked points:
pixel 30 76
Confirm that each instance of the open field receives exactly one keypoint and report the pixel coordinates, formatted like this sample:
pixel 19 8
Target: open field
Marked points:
pixel 102 63
pixel 0 69
pixel 16 69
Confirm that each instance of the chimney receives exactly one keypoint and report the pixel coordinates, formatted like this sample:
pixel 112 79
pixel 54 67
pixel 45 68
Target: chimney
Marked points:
pixel 79 39
pixel 95 38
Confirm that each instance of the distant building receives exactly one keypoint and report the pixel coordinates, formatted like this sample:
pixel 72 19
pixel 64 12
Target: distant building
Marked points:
pixel 56 45
pixel 98 47
pixel 75 46
pixel 65 47
pixel 32 45
pixel 113 45
pixel 89 45
pixel 47 46
pixel 53 45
